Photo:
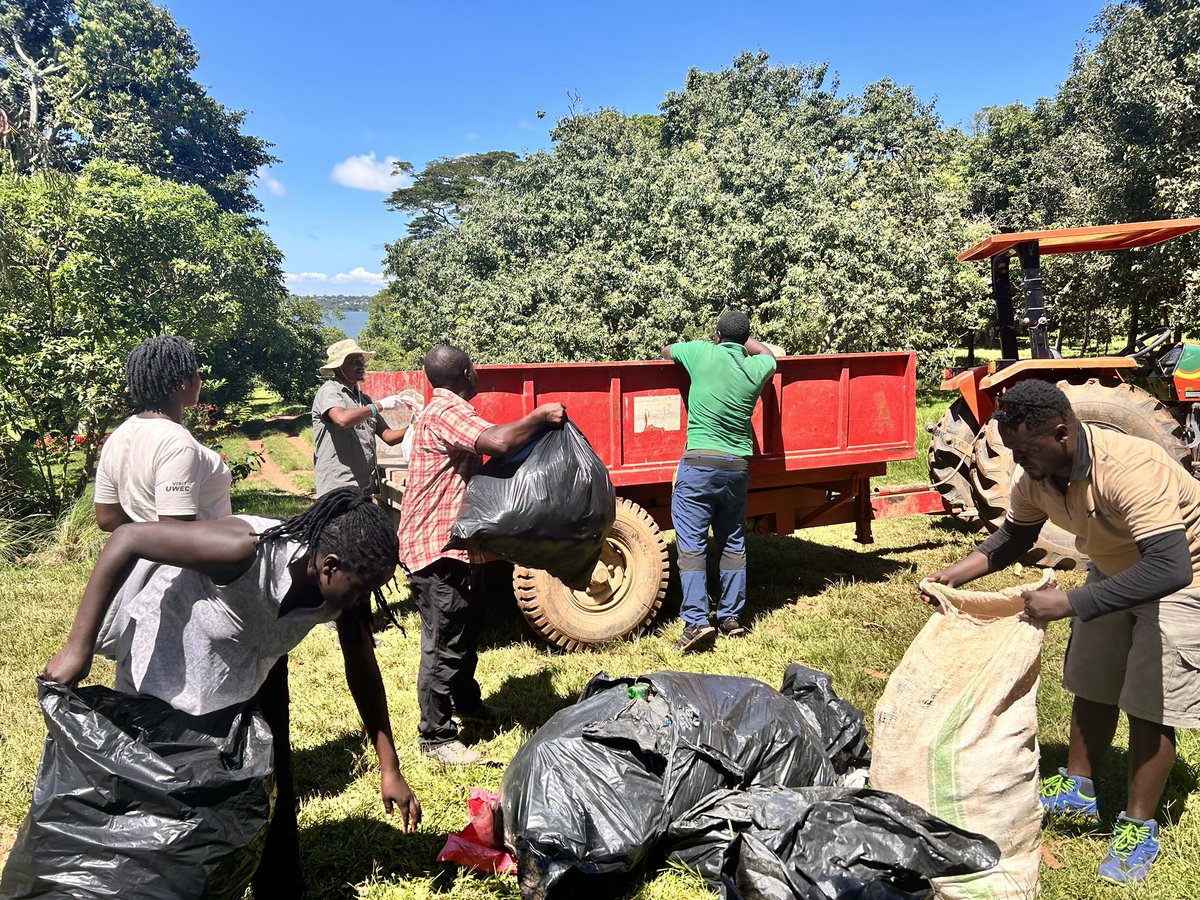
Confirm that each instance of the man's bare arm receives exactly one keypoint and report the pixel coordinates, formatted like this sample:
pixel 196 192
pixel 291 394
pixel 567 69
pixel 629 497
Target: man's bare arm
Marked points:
pixel 758 348
pixel 500 440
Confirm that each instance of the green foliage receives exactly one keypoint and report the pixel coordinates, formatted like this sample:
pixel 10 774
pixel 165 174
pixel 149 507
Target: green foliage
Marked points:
pixel 209 426
pixel 92 265
pixel 442 192
pixel 1131 109
pixel 112 79
pixel 833 221
pixel 1116 145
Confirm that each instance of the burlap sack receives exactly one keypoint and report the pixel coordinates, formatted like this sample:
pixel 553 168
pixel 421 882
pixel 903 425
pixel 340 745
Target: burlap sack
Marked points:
pixel 956 732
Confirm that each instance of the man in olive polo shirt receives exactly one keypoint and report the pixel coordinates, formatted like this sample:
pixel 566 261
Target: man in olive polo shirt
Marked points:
pixel 727 375
pixel 1135 625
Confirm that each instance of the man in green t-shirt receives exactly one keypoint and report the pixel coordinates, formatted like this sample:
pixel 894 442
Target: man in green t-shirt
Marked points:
pixel 727 377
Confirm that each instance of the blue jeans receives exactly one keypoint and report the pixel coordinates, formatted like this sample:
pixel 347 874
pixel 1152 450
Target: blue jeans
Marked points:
pixel 705 497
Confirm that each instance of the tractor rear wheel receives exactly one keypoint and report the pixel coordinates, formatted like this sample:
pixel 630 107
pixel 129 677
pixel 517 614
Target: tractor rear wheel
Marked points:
pixel 1104 403
pixel 951 454
pixel 627 589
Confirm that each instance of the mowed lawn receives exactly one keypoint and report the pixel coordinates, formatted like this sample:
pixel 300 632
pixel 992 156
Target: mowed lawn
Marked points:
pixel 815 597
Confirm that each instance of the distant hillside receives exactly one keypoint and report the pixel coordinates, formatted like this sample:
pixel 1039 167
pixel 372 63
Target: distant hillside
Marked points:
pixel 339 302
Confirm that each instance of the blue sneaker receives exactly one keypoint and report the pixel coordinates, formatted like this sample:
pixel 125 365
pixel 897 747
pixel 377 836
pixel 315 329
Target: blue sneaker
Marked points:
pixel 1064 794
pixel 1134 848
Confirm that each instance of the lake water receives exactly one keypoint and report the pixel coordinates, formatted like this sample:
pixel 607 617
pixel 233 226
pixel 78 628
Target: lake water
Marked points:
pixel 352 322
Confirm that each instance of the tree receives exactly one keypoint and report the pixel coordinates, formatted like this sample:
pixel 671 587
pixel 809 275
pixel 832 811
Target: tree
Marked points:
pixel 112 79
pixel 92 264
pixel 440 194
pixel 832 219
pixel 1131 125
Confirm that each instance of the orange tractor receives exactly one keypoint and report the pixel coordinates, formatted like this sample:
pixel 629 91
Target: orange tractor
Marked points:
pixel 969 465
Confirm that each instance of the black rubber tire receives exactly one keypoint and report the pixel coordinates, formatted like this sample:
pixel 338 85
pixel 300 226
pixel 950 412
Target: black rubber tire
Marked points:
pixel 622 606
pixel 951 455
pixel 1104 403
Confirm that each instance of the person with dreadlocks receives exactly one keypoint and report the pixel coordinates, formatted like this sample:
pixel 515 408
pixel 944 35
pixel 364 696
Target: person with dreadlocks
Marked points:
pixel 727 375
pixel 202 615
pixel 1135 624
pixel 449 438
pixel 151 467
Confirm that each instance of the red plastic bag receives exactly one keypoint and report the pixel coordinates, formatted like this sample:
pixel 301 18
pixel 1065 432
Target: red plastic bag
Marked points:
pixel 478 846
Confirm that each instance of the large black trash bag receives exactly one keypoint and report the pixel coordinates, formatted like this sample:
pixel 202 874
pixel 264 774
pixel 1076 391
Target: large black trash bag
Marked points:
pixel 135 799
pixel 549 506
pixel 822 843
pixel 838 721
pixel 596 788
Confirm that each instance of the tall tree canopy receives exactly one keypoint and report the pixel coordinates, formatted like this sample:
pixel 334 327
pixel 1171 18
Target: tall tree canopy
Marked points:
pixel 92 265
pixel 441 193
pixel 81 79
pixel 1118 144
pixel 833 220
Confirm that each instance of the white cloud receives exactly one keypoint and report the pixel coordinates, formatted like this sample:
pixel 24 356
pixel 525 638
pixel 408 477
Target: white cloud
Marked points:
pixel 357 278
pixel 273 185
pixel 366 173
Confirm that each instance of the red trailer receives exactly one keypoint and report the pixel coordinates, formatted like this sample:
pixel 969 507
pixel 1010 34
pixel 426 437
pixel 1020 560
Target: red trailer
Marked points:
pixel 825 426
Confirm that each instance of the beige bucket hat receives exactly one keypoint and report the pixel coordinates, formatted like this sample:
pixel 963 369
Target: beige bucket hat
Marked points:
pixel 336 355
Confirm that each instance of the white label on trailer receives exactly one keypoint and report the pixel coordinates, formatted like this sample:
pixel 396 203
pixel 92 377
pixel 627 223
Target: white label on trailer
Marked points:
pixel 657 413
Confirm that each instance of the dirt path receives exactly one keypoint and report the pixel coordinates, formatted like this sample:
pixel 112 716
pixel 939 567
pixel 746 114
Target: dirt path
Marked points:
pixel 269 472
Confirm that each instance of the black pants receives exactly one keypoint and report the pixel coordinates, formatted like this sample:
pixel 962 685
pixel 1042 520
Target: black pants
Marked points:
pixel 279 872
pixel 450 623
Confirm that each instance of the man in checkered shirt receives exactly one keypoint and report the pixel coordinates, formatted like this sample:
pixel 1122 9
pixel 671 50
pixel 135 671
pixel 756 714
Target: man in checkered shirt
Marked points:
pixel 448 440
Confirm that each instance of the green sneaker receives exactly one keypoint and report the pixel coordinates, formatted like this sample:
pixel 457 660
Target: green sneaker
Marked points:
pixel 1134 847
pixel 1064 794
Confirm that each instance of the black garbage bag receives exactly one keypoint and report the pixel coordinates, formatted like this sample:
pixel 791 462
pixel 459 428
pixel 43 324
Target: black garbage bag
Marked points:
pixel 135 799
pixel 596 788
pixel 838 721
pixel 822 843
pixel 550 506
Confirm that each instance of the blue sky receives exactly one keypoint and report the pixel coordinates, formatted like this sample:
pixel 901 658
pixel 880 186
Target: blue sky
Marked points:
pixel 342 89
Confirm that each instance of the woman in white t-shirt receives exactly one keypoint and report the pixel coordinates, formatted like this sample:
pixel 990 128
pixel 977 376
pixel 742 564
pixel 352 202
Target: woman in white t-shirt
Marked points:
pixel 151 468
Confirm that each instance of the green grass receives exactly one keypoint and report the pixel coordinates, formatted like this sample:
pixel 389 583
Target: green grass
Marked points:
pixel 287 455
pixel 305 481
pixel 261 499
pixel 815 598
pixel 265 402
pixel 235 445
pixel 931 406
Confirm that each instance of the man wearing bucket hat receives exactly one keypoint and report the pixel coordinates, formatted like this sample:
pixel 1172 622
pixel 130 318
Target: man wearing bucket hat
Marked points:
pixel 346 422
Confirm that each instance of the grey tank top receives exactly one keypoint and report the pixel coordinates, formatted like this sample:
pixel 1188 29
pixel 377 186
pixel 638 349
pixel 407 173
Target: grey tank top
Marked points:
pixel 201 646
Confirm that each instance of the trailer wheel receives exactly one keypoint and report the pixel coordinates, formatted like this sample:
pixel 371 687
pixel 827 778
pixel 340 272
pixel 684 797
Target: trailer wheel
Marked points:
pixel 1104 403
pixel 626 592
pixel 951 454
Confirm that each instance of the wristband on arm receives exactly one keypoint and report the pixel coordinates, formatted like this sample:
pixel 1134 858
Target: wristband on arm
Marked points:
pixel 374 409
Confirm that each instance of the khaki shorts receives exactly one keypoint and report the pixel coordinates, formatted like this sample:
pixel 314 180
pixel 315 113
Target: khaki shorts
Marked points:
pixel 1145 660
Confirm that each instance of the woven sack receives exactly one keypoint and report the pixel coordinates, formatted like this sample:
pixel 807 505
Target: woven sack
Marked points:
pixel 956 731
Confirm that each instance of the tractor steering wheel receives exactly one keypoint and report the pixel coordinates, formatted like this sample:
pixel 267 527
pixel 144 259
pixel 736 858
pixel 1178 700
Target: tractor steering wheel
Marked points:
pixel 1148 343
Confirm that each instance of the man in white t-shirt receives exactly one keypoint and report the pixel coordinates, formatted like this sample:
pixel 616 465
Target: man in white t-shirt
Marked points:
pixel 151 467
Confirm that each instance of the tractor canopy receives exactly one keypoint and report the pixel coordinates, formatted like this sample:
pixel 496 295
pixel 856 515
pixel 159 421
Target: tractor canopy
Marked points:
pixel 1079 240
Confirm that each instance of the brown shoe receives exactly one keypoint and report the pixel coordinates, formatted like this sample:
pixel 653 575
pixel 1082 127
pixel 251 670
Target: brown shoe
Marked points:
pixel 452 753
